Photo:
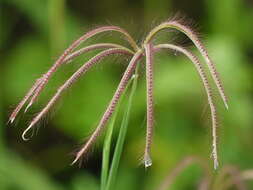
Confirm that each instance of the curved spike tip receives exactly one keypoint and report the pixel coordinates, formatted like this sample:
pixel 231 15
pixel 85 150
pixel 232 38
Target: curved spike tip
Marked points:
pixel 25 133
pixel 147 161
pixel 216 164
pixel 11 120
pixel 75 160
pixel 226 106
pixel 24 138
pixel 78 156
pixel 215 160
pixel 28 106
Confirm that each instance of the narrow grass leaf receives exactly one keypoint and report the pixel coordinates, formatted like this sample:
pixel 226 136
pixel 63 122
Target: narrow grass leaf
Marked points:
pixel 107 143
pixel 121 137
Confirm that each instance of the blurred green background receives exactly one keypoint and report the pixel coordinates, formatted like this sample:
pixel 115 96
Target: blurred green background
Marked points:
pixel 32 35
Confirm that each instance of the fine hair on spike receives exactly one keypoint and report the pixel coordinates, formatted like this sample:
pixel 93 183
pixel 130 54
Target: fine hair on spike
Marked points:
pixel 71 80
pixel 23 101
pixel 81 51
pixel 208 90
pixel 150 110
pixel 194 38
pixel 41 82
pixel 112 105
pixel 84 158
pixel 147 49
pixel 75 44
pixel 185 21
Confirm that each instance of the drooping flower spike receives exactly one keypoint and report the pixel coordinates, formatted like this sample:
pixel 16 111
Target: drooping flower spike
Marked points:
pixel 194 38
pixel 82 70
pixel 208 90
pixel 34 92
pixel 112 105
pixel 147 50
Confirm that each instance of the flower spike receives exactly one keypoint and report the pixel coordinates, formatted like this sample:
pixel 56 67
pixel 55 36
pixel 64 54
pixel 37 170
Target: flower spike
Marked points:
pixel 23 101
pixel 147 49
pixel 112 105
pixel 60 60
pixel 150 110
pixel 194 38
pixel 208 90
pixel 82 70
pixel 36 89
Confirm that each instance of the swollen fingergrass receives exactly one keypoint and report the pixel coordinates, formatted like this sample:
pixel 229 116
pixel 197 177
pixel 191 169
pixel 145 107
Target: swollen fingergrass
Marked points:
pixel 147 49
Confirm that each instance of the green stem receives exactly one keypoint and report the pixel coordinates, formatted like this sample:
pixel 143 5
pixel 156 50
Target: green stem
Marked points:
pixel 106 151
pixel 107 143
pixel 121 137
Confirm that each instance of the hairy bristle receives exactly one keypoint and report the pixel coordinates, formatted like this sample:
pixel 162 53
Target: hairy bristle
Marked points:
pixel 111 107
pixel 81 51
pixel 150 111
pixel 147 49
pixel 203 51
pixel 45 78
pixel 208 90
pixel 23 101
pixel 194 38
pixel 185 21
pixel 71 80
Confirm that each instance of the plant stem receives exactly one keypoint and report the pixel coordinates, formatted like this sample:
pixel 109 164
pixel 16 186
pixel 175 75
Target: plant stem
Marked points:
pixel 122 136
pixel 106 151
pixel 107 143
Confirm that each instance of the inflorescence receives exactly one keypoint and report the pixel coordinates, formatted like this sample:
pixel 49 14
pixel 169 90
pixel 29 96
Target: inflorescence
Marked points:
pixel 147 49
